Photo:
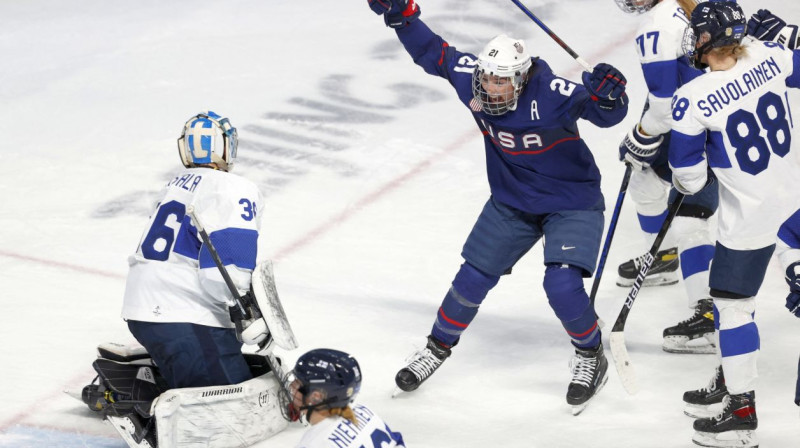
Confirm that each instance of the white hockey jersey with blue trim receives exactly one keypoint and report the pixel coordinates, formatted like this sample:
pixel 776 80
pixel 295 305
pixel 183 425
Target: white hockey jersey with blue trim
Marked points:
pixel 338 432
pixel 739 123
pixel 172 277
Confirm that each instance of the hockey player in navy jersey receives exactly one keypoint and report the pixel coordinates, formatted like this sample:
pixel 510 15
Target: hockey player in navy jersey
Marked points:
pixel 658 44
pixel 176 302
pixel 735 120
pixel 543 180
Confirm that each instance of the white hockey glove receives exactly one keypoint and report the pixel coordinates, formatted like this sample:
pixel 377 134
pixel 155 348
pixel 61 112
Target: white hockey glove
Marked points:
pixel 251 328
pixel 638 149
pixel 255 331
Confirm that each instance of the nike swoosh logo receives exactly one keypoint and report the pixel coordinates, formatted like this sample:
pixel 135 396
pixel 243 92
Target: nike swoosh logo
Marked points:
pixel 565 247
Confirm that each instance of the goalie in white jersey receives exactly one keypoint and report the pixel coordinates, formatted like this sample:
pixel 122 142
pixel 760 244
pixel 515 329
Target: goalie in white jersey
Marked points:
pixel 323 385
pixel 176 301
pixel 736 121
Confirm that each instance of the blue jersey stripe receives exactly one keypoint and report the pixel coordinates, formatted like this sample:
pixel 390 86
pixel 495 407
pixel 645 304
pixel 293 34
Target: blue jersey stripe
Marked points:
pixel 717 156
pixel 696 259
pixel 789 232
pixel 661 78
pixel 686 150
pixel 235 246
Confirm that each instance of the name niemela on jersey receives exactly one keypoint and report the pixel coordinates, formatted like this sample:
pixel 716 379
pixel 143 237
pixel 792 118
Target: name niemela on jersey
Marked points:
pixel 184 182
pixel 740 87
pixel 344 433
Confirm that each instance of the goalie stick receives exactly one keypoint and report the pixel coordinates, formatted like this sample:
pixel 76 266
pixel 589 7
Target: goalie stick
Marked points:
pixel 586 66
pixel 263 348
pixel 622 360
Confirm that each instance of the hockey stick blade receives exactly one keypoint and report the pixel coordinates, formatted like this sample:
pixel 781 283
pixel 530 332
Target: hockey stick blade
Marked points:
pixel 266 293
pixel 625 370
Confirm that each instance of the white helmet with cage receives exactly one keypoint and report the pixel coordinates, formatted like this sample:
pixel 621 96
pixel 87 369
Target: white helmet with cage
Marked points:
pixel 636 6
pixel 208 138
pixel 502 73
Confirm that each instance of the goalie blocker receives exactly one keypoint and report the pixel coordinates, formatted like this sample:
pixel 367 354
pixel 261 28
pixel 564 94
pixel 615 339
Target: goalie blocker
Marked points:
pixel 132 396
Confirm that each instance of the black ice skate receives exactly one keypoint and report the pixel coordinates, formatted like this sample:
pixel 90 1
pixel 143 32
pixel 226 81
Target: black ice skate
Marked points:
pixel 695 334
pixel 589 375
pixel 734 427
pixel 421 366
pixel 663 272
pixel 706 402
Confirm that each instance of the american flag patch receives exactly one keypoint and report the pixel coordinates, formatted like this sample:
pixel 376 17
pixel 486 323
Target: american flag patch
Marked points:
pixel 475 105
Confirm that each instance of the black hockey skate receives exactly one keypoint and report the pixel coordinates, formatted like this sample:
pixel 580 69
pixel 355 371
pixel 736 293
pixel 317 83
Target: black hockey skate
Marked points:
pixel 421 365
pixel 706 402
pixel 663 271
pixel 589 375
pixel 695 334
pixel 734 427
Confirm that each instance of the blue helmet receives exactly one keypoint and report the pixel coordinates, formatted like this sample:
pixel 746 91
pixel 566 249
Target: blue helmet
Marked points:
pixel 713 24
pixel 208 138
pixel 335 374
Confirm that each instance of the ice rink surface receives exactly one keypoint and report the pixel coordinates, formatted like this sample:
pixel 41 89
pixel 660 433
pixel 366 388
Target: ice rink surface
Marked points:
pixel 373 175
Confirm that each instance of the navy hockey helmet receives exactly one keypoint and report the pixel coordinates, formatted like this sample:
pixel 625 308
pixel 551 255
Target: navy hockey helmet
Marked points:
pixel 714 24
pixel 208 138
pixel 335 374
pixel 635 6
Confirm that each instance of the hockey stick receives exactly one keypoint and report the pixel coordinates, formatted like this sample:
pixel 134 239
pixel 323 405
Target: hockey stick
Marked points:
pixel 612 227
pixel 263 347
pixel 622 360
pixel 550 33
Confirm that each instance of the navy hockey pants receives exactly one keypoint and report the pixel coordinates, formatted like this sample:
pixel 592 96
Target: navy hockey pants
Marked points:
pixel 190 355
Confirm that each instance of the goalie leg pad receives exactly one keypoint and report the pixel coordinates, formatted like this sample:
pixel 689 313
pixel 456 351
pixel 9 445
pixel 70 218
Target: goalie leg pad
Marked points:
pixel 220 416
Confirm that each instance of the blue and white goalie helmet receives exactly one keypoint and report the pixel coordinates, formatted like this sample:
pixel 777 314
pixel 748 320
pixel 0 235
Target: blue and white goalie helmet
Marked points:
pixel 501 74
pixel 635 6
pixel 208 138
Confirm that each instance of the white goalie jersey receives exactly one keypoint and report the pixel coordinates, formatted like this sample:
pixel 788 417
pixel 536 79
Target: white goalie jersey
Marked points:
pixel 738 122
pixel 172 276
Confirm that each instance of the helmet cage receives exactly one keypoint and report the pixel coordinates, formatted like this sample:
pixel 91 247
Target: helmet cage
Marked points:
pixel 504 61
pixel 208 138
pixel 635 6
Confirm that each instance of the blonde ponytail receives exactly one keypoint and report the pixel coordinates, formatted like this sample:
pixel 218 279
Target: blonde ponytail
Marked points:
pixel 345 412
pixel 688 7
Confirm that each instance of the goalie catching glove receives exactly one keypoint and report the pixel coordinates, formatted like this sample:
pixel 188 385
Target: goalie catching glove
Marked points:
pixel 251 328
pixel 396 13
pixel 638 149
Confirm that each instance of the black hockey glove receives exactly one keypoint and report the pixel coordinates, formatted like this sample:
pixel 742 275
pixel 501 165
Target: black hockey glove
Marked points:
pixel 251 328
pixel 605 83
pixel 396 13
pixel 638 149
pixel 793 279
pixel 765 25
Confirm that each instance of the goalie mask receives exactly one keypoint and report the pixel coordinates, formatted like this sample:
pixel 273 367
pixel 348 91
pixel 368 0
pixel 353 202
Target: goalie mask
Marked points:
pixel 208 138
pixel 501 74
pixel 321 379
pixel 636 6
pixel 713 25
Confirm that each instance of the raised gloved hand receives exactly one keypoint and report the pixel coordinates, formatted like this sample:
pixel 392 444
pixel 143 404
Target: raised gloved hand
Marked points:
pixel 765 25
pixel 605 82
pixel 396 13
pixel 638 149
pixel 793 279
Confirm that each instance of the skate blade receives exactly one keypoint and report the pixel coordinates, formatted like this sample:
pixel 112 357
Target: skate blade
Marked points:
pixel 75 394
pixel 700 411
pixel 655 280
pixel 727 439
pixel 397 392
pixel 126 428
pixel 578 408
pixel 682 344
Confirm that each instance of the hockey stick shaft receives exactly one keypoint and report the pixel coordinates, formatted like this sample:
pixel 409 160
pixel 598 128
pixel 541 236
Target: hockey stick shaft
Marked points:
pixel 619 325
pixel 612 227
pixel 586 66
pixel 218 261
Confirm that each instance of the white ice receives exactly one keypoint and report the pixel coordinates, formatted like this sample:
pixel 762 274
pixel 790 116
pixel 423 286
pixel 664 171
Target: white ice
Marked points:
pixel 373 175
